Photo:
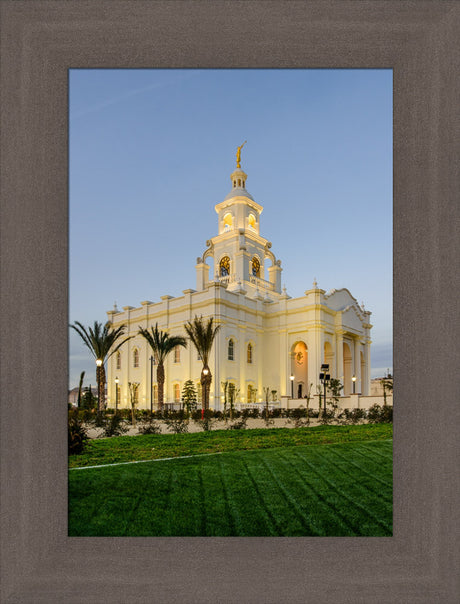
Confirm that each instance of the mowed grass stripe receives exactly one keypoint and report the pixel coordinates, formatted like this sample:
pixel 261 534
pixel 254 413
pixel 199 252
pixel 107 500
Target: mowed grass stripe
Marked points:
pixel 363 482
pixel 296 522
pixel 333 523
pixel 249 493
pixel 345 461
pixel 356 515
pixel 385 453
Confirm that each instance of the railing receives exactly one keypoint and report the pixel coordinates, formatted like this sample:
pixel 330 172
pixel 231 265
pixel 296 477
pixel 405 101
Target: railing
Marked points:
pixel 261 282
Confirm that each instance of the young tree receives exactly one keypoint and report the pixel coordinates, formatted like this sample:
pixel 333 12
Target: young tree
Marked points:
pixel 387 384
pixel 134 399
pixel 233 393
pixel 189 396
pixel 225 385
pixel 162 344
pixel 102 341
pixel 202 334
pixel 308 398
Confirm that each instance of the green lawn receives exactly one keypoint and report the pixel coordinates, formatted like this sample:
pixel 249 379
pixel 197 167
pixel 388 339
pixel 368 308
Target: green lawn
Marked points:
pixel 156 446
pixel 295 490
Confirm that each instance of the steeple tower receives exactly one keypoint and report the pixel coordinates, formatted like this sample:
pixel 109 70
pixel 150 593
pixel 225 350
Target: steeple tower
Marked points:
pixel 240 254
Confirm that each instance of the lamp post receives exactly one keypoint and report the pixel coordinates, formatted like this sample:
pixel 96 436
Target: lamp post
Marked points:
pixel 353 379
pixel 100 385
pixel 324 378
pixel 292 386
pixel 117 381
pixel 151 384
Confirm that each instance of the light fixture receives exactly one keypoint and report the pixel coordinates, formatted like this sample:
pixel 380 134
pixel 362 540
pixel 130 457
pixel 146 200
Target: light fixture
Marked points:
pixel 353 379
pixel 98 362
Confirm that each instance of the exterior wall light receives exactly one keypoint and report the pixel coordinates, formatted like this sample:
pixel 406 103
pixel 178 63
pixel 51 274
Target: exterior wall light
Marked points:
pixel 353 379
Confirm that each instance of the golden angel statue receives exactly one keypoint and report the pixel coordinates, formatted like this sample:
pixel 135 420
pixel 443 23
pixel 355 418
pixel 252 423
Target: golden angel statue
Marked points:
pixel 238 155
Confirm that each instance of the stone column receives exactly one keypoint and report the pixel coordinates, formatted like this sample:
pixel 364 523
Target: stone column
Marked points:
pixel 274 276
pixel 357 364
pixel 202 275
pixel 339 370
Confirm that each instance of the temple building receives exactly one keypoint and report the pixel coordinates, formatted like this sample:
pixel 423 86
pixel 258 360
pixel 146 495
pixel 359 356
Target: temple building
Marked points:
pixel 267 338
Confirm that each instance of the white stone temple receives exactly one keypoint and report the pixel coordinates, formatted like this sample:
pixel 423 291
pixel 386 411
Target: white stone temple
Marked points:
pixel 266 339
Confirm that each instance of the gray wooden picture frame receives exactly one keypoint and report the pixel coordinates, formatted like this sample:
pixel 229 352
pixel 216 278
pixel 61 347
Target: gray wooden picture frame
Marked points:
pixel 40 41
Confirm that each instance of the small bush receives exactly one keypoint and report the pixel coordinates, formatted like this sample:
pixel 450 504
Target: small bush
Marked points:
pixel 239 425
pixel 77 435
pixel 178 425
pixel 352 416
pixel 327 418
pixel 149 426
pixel 113 425
pixel 380 415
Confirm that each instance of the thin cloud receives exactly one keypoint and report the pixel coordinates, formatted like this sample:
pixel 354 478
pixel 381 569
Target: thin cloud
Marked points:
pixel 130 93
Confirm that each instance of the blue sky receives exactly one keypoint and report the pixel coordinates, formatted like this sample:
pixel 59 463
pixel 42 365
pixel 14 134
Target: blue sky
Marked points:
pixel 151 152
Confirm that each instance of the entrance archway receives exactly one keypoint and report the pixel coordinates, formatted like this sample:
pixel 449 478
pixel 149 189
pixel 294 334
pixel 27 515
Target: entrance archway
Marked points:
pixel 299 368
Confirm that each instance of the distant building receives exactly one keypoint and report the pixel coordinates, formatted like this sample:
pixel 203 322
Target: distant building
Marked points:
pixel 73 394
pixel 266 336
pixel 377 386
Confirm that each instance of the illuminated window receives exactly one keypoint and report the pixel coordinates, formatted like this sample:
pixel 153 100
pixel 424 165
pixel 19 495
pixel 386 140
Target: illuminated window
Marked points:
pixel 176 393
pixel 251 393
pixel 177 354
pixel 228 222
pixel 231 350
pixel 198 392
pixel 118 362
pixel 255 267
pixel 249 353
pixel 136 357
pixel 224 266
pixel 252 222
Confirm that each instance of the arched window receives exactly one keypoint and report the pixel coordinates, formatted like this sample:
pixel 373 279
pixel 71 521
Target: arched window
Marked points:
pixel 155 393
pixel 176 393
pixel 228 222
pixel 198 392
pixel 249 353
pixel 224 266
pixel 118 360
pixel 252 391
pixel 231 350
pixel 136 357
pixel 177 354
pixel 252 222
pixel 255 269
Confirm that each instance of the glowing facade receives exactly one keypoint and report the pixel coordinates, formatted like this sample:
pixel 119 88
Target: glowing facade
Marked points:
pixel 266 336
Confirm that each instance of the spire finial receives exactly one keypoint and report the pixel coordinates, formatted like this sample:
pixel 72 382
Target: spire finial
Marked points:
pixel 315 283
pixel 238 155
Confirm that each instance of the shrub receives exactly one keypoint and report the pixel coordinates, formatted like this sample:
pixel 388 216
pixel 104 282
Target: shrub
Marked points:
pixel 77 435
pixel 239 425
pixel 380 415
pixel 178 425
pixel 149 426
pixel 352 416
pixel 326 418
pixel 113 425
pixel 248 413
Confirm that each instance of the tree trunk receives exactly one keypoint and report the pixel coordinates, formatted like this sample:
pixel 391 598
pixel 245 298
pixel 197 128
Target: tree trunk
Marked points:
pixel 161 385
pixel 206 385
pixel 100 378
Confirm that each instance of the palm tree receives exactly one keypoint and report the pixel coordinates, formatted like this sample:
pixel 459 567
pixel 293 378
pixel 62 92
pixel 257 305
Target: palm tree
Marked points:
pixel 202 335
pixel 161 343
pixel 101 340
